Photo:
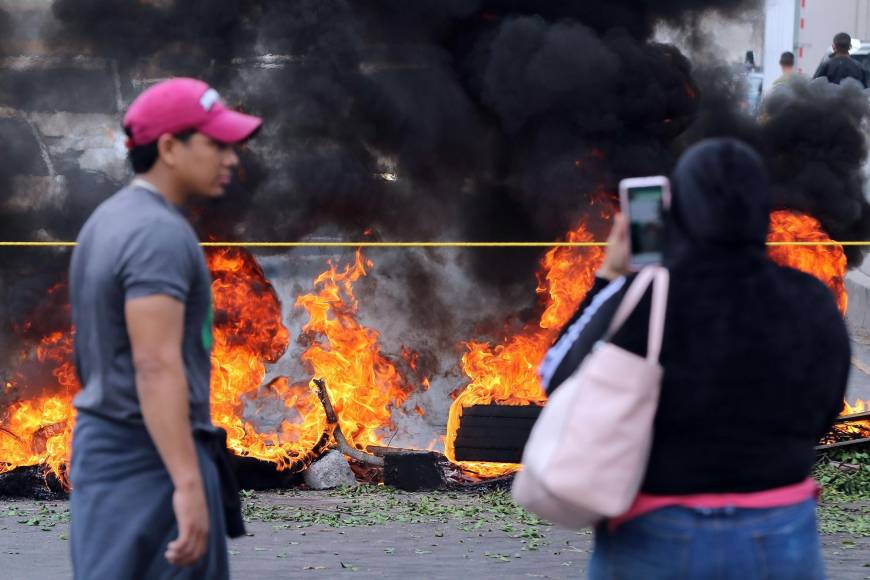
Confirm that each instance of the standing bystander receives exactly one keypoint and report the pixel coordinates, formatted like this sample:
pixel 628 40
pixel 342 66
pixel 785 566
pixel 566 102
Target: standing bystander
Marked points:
pixel 841 66
pixel 727 492
pixel 146 499
pixel 786 63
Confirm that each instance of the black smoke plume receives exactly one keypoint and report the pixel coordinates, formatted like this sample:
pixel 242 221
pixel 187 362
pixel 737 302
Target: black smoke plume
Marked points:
pixel 190 32
pixel 5 29
pixel 448 119
pixel 462 120
pixel 812 135
pixel 472 119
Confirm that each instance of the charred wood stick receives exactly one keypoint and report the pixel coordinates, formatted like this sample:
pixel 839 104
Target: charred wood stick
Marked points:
pixel 332 418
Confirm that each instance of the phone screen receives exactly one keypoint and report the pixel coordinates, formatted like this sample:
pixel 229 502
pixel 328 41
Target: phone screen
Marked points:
pixel 646 212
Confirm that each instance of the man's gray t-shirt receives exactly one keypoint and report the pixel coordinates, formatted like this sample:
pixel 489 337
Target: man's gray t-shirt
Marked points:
pixel 136 244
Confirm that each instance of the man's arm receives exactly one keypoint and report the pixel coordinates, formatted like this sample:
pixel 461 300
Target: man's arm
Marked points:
pixel 155 325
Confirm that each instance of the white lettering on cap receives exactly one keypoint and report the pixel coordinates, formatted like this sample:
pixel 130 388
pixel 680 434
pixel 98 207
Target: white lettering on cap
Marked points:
pixel 209 99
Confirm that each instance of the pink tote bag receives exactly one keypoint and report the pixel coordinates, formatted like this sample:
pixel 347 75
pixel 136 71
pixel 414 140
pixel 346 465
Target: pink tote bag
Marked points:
pixel 587 454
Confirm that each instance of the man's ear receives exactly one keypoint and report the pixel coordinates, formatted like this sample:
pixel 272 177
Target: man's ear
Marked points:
pixel 166 149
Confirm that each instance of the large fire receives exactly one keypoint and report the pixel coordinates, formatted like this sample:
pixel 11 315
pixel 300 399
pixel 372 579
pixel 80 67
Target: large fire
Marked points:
pixel 248 334
pixel 366 386
pixel 363 383
pixel 825 262
pixel 39 430
pixel 506 374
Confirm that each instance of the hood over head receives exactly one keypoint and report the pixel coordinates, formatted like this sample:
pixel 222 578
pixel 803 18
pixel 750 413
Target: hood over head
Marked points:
pixel 721 202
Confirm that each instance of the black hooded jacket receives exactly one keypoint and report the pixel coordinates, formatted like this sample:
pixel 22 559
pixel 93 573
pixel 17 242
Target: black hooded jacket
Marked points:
pixel 756 356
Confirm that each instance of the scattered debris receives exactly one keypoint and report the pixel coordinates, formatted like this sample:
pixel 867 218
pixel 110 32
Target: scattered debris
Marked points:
pixel 330 471
pixel 852 431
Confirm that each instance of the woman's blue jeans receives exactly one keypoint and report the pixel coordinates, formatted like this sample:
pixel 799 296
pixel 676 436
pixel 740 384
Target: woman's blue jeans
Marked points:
pixel 712 544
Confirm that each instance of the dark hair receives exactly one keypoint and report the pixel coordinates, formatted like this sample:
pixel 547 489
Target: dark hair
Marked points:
pixel 843 42
pixel 787 59
pixel 143 157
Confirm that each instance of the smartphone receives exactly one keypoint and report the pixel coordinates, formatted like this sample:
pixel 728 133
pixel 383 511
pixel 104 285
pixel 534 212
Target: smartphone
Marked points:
pixel 644 201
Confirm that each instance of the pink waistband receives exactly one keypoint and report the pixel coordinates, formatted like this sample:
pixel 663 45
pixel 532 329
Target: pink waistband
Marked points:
pixel 771 498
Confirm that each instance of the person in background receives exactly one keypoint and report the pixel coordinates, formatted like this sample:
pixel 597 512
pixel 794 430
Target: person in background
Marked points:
pixel 841 66
pixel 749 61
pixel 756 358
pixel 147 497
pixel 786 63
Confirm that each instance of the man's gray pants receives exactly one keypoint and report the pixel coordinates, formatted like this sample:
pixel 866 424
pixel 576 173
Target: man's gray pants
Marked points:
pixel 121 507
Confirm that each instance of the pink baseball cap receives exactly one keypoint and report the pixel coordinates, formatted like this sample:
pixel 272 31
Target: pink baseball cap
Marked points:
pixel 183 104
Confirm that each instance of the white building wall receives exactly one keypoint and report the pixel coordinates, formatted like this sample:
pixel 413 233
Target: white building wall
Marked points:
pixel 820 20
pixel 780 27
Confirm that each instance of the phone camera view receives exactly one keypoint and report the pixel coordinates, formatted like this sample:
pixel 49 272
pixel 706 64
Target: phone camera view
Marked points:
pixel 647 224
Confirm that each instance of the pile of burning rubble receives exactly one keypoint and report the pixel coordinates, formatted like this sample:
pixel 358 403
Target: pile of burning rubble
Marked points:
pixel 348 400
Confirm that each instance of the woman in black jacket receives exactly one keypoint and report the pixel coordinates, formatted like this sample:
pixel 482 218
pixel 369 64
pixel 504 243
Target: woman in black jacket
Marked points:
pixel 756 359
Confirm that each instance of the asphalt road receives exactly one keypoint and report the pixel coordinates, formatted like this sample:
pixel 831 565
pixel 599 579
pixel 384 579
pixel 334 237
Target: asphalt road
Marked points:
pixel 377 534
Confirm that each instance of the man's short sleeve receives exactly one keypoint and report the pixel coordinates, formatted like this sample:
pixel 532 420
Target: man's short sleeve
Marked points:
pixel 157 259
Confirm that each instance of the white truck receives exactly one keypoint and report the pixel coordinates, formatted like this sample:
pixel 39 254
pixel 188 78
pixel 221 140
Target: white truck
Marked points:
pixel 807 28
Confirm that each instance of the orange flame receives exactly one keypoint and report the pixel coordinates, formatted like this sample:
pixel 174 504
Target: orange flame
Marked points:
pixel 366 386
pixel 855 428
pixel 39 431
pixel 363 383
pixel 827 263
pixel 248 333
pixel 506 374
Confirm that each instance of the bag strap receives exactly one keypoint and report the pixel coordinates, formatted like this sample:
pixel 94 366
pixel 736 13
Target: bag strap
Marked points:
pixel 657 315
pixel 660 278
pixel 630 301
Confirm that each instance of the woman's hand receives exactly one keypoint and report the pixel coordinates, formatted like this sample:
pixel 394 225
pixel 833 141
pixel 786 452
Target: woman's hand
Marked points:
pixel 616 262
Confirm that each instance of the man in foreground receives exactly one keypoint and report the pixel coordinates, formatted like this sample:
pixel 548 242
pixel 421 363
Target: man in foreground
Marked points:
pixel 841 66
pixel 146 500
